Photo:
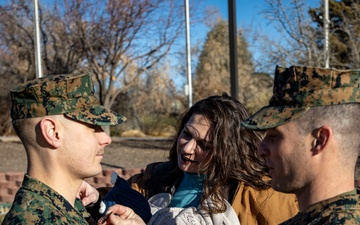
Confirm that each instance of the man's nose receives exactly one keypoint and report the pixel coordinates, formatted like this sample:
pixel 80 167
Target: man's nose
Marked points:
pixel 105 139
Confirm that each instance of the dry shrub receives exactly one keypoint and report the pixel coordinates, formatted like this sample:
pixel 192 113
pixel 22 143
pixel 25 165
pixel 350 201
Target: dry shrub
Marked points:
pixel 132 133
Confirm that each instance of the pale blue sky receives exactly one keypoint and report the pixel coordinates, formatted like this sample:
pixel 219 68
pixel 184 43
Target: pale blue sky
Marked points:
pixel 249 16
pixel 249 13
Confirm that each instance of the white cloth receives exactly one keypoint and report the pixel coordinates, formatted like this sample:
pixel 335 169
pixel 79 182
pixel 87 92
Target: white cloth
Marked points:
pixel 188 216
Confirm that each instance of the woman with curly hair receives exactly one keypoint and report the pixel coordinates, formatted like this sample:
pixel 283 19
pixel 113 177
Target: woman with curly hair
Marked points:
pixel 214 174
pixel 214 158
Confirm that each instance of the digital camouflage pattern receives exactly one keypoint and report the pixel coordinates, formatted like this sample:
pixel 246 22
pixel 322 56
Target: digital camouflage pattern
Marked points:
pixel 342 209
pixel 357 173
pixel 296 89
pixel 67 94
pixel 36 203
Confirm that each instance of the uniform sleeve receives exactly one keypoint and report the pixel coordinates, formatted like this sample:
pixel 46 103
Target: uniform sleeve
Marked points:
pixel 263 206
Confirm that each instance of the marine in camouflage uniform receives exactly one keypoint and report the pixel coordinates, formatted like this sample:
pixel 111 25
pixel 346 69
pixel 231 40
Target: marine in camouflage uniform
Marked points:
pixel 37 203
pixel 72 96
pixel 296 91
pixel 342 209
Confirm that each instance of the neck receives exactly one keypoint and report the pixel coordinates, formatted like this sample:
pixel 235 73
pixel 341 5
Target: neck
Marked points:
pixel 326 188
pixel 54 177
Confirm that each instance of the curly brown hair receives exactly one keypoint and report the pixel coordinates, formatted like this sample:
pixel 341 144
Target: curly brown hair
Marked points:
pixel 233 148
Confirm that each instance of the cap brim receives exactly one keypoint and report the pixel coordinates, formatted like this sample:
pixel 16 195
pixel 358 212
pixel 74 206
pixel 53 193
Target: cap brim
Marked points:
pixel 272 116
pixel 97 115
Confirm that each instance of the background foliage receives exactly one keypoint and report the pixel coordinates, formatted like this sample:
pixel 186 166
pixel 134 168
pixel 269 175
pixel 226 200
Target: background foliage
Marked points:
pixel 129 47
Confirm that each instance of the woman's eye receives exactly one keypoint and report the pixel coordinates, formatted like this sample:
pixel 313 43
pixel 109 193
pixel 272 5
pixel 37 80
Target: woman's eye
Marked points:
pixel 204 145
pixel 187 133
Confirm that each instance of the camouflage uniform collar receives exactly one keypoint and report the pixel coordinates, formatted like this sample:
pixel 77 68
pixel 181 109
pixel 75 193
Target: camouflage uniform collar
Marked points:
pixel 77 212
pixel 341 209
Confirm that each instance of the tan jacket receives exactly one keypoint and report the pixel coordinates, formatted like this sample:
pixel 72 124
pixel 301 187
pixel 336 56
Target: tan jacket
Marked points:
pixel 263 206
pixel 253 207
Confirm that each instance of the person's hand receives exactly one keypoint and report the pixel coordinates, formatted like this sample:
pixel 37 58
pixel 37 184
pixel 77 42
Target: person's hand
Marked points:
pixel 87 194
pixel 120 215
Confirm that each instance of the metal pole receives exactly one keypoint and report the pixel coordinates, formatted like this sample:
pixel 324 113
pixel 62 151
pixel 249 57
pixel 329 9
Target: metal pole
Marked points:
pixel 326 33
pixel 233 49
pixel 37 40
pixel 188 54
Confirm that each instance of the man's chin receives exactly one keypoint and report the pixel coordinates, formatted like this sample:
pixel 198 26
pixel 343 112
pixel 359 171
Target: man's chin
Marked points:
pixel 94 173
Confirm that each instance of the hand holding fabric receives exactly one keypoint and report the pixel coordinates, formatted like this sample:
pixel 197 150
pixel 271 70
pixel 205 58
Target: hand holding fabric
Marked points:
pixel 123 194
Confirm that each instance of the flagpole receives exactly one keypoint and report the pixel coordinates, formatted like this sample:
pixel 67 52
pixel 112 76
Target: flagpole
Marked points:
pixel 188 54
pixel 233 49
pixel 37 40
pixel 326 33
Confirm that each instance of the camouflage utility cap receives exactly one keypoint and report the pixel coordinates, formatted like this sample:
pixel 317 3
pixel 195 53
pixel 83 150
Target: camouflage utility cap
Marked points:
pixel 296 89
pixel 65 94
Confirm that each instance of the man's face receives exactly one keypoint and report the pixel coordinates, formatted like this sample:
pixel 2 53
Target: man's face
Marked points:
pixel 84 148
pixel 287 156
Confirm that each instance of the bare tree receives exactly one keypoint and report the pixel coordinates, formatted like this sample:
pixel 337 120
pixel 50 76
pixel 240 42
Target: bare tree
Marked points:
pixel 117 41
pixel 16 52
pixel 61 52
pixel 158 101
pixel 116 34
pixel 300 33
pixel 102 36
pixel 296 39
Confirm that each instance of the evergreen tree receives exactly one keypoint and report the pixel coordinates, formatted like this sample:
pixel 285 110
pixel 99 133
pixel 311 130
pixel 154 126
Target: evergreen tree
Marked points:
pixel 213 70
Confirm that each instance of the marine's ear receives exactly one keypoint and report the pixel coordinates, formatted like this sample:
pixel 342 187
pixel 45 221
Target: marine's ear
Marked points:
pixel 50 131
pixel 322 137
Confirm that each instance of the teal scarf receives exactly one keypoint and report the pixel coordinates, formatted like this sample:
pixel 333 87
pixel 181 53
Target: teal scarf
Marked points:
pixel 189 191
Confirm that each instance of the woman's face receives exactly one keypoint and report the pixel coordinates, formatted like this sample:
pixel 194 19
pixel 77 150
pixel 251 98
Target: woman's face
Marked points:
pixel 193 145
